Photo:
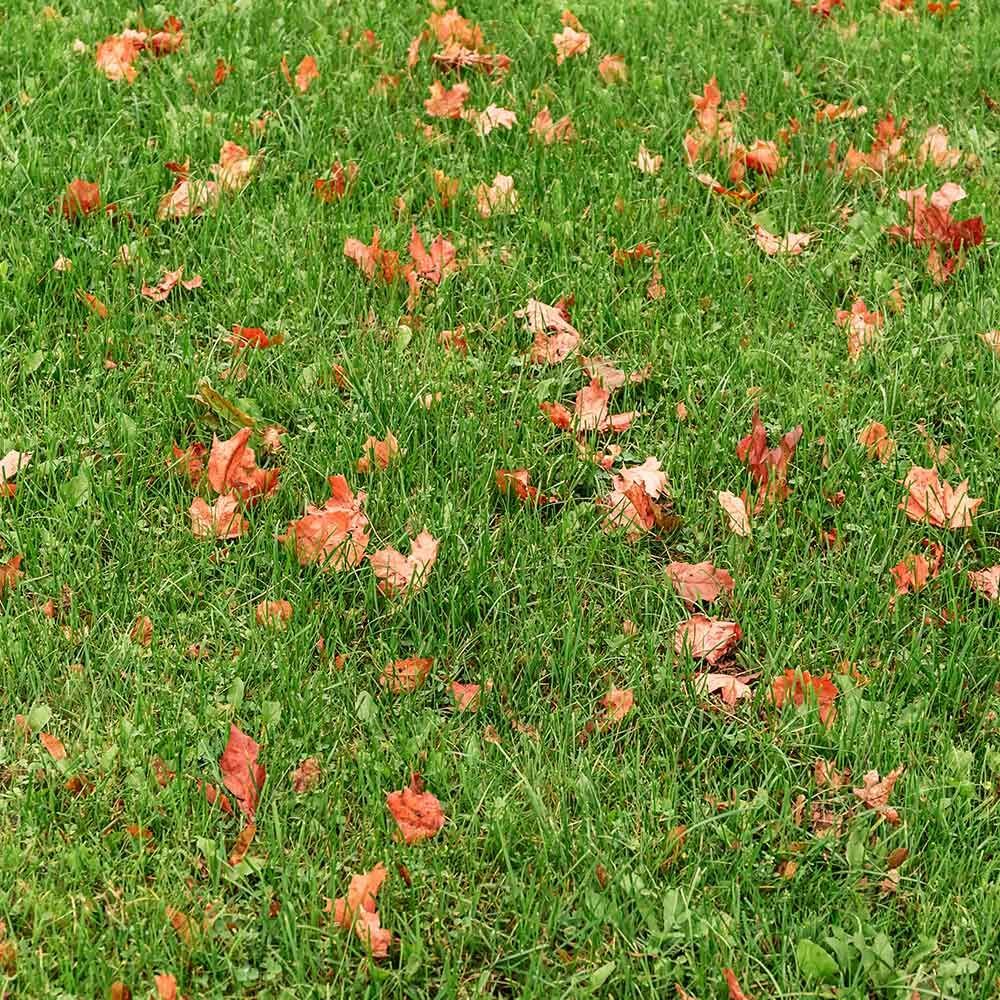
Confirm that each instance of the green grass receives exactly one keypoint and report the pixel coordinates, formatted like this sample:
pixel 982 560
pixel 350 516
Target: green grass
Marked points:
pixel 506 900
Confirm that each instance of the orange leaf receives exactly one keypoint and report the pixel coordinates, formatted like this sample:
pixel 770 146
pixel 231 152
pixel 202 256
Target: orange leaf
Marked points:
pixel 708 639
pixel 986 582
pixel 794 686
pixel 80 198
pixel 466 696
pixel 406 675
pixel 306 776
pixel 222 520
pixel 615 705
pixel 699 581
pixel 166 986
pixel 357 911
pixel 273 614
pixel 569 42
pixel 876 440
pixel 241 773
pixel 242 845
pixel 446 103
pixel 10 573
pixel 54 746
pixel 417 813
pixel 166 284
pixel 938 503
pixel 404 575
pixel 876 791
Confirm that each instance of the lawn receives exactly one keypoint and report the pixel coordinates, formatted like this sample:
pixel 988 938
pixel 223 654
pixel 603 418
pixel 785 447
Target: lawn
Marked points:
pixel 736 747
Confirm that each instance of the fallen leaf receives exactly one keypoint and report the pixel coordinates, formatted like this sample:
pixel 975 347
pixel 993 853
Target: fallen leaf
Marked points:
pixel 11 466
pixel 337 183
pixel 646 162
pixel 466 696
pixel 569 43
pixel 406 676
pixel 188 196
pixel 498 198
pixel 656 290
pixel 223 520
pixel 732 983
pixel 862 327
pixel 649 476
pixel 93 303
pixel 794 686
pixel 11 573
pixel 886 152
pixel 169 38
pixel 876 440
pixel 142 631
pixel 590 412
pixel 731 689
pixel 376 454
pixel 241 773
pixel 164 776
pixel 242 844
pixel 991 338
pixel 913 572
pixel 494 117
pixel 273 614
pixel 446 102
pixel 453 341
pixel 53 745
pixel 615 705
pixel 791 243
pixel 403 575
pixel 213 796
pixel 931 225
pixel 81 198
pixel 116 55
pixel 305 73
pixel 832 112
pixel 937 503
pixel 432 265
pixel 222 71
pixel 768 466
pixel 166 284
pixel 166 986
pixel 543 320
pixel 516 481
pixel 306 776
pixel 708 639
pixel 357 911
pixel 736 512
pixel 699 581
pixel 876 791
pixel 236 167
pixel 935 148
pixel 456 57
pixel 243 337
pixel 417 813
pixel 986 582
pixel 549 132
pixel 334 535
pixel 612 69
pixel 827 776
pixel 744 194
pixel 232 467
pixel 630 509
